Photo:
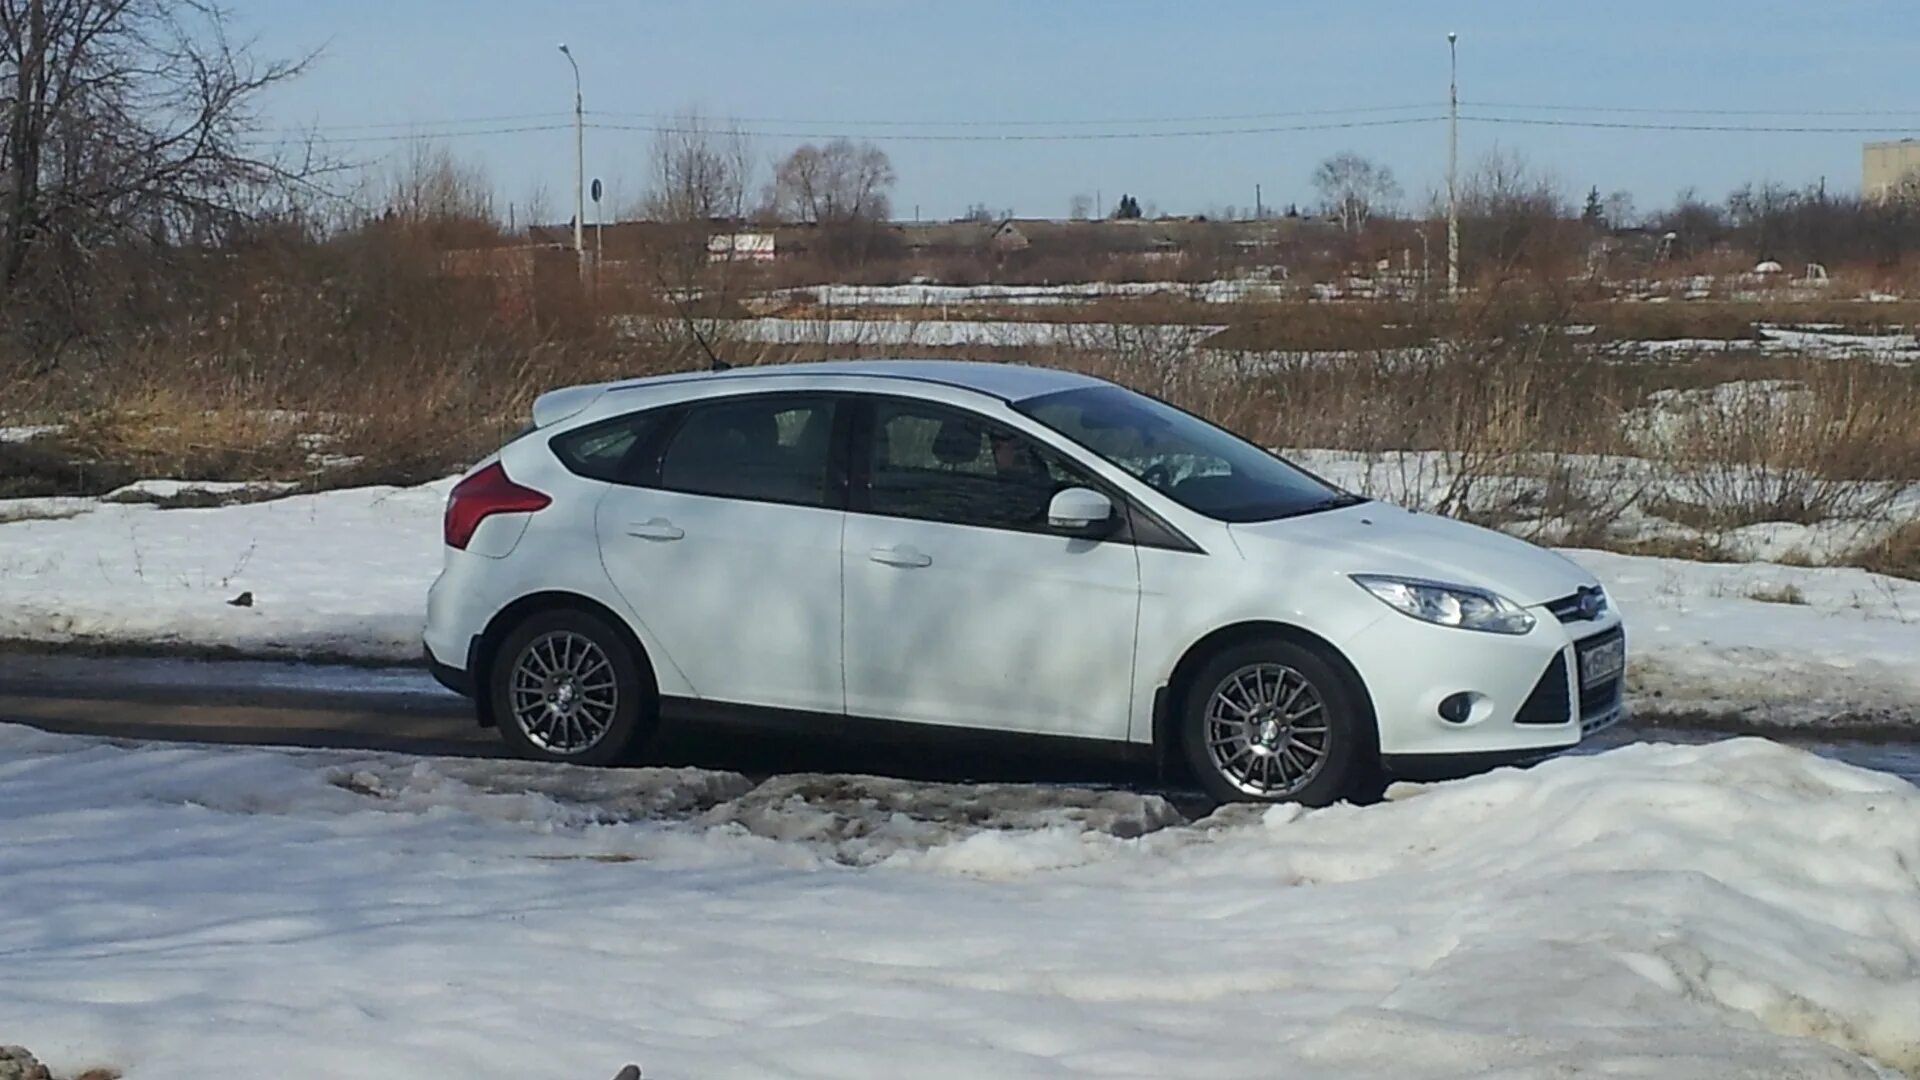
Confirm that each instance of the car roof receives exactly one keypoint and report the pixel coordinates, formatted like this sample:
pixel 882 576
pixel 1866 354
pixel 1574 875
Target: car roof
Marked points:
pixel 1009 382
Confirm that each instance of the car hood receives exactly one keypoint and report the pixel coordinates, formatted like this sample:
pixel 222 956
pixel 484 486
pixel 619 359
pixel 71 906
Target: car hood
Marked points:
pixel 1378 538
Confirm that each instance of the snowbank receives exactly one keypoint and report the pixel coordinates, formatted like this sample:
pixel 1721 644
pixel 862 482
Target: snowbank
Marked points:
pixel 345 573
pixel 1225 291
pixel 947 333
pixel 1739 909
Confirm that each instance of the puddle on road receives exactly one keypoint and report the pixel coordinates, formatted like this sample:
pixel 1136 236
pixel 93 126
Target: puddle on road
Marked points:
pixel 1899 757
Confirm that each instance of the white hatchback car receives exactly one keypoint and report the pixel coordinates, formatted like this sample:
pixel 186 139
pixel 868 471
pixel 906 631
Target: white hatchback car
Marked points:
pixel 1001 548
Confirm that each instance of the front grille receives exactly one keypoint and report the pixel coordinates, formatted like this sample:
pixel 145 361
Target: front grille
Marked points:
pixel 1569 609
pixel 1599 699
pixel 1550 702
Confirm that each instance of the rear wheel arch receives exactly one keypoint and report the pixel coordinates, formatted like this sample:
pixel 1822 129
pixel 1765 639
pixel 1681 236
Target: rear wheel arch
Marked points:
pixel 1168 700
pixel 487 648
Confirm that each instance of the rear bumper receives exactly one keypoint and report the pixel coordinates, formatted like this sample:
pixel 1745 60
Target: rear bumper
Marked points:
pixel 453 678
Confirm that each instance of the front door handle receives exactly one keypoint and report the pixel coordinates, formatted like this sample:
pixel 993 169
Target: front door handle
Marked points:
pixel 656 529
pixel 900 556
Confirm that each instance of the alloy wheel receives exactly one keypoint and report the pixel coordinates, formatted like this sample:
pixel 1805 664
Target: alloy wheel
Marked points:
pixel 563 693
pixel 1267 730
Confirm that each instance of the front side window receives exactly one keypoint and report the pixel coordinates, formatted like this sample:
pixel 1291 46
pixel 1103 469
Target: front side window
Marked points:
pixel 939 464
pixel 768 449
pixel 1202 467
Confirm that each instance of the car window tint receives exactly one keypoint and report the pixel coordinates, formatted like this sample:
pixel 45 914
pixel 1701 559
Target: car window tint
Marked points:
pixel 772 449
pixel 600 451
pixel 944 465
pixel 1202 467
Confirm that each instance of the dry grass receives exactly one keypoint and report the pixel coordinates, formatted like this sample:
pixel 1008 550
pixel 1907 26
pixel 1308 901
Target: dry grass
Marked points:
pixel 370 351
pixel 1898 555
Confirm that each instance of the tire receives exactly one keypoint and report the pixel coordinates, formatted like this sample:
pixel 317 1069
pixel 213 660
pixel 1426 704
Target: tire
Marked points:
pixel 581 693
pixel 1323 754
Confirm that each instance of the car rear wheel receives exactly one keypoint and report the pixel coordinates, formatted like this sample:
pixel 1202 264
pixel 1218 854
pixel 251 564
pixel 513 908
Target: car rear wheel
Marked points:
pixel 566 687
pixel 1273 721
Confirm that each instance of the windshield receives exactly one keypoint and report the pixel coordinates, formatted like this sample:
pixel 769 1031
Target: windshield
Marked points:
pixel 1203 468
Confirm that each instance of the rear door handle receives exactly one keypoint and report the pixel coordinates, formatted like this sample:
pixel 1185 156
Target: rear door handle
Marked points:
pixel 900 556
pixel 657 529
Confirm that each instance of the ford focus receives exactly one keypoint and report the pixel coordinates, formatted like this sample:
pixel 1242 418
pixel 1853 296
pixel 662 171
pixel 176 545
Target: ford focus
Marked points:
pixel 996 548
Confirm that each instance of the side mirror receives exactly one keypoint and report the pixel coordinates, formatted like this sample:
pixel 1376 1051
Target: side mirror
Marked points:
pixel 1079 511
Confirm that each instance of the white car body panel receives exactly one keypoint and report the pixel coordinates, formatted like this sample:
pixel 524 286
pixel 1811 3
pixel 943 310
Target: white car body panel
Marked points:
pixel 745 599
pixel 1009 631
pixel 784 606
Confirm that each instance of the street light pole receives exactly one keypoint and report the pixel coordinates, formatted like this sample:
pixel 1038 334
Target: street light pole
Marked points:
pixel 579 166
pixel 1453 166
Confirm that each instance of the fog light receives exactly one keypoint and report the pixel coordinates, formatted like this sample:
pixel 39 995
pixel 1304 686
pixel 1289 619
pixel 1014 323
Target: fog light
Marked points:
pixel 1455 708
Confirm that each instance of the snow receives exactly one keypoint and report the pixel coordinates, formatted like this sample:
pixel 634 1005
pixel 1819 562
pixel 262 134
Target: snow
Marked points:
pixel 1890 348
pixel 941 333
pixel 344 573
pixel 341 572
pixel 1702 640
pixel 170 489
pixel 1622 486
pixel 1735 909
pixel 1228 291
pixel 25 432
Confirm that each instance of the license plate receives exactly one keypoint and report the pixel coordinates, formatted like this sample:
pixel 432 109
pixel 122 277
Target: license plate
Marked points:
pixel 1602 660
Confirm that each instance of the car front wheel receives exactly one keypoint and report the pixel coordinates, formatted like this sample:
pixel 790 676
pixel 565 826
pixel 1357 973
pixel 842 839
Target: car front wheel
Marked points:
pixel 566 687
pixel 1273 721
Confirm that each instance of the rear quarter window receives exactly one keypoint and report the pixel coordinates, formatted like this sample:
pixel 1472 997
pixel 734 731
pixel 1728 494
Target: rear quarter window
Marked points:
pixel 606 450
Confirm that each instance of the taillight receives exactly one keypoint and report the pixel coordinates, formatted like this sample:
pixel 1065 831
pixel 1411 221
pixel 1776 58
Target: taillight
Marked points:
pixel 487 492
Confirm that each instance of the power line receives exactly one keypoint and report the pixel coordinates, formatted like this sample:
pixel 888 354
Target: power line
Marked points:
pixel 415 136
pixel 1670 111
pixel 1630 125
pixel 421 124
pixel 424 133
pixel 1070 136
pixel 1111 122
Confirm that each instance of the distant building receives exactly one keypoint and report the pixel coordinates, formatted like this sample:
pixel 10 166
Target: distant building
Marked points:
pixel 1008 236
pixel 750 247
pixel 1885 165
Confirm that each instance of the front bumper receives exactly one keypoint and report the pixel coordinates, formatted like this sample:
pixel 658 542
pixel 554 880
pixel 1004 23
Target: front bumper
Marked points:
pixel 1527 694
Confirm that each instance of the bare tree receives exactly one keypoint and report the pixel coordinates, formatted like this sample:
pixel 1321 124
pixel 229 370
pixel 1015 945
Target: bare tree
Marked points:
pixel 692 260
pixel 1080 207
pixel 1618 208
pixel 700 171
pixel 430 184
pixel 1515 222
pixel 840 187
pixel 127 122
pixel 1353 189
pixel 835 184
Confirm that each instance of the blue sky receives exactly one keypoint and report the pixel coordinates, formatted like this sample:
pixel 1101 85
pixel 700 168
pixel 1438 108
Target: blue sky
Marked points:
pixel 829 65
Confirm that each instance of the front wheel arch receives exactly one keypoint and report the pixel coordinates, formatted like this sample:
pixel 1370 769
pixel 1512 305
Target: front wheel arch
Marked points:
pixel 1169 698
pixel 487 648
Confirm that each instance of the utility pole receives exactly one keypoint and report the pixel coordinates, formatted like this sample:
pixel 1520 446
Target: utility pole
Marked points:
pixel 1257 215
pixel 1453 166
pixel 579 166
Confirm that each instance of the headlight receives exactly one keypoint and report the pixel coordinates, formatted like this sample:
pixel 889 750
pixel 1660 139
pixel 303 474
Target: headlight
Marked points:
pixel 1448 605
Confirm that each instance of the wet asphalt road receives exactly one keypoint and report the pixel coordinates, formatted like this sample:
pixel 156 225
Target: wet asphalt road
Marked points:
pixel 402 710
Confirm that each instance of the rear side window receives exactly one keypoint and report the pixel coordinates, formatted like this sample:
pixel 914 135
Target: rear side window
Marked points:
pixel 768 449
pixel 608 450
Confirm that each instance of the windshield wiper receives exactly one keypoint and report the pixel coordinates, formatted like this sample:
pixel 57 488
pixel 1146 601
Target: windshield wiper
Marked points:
pixel 1339 501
